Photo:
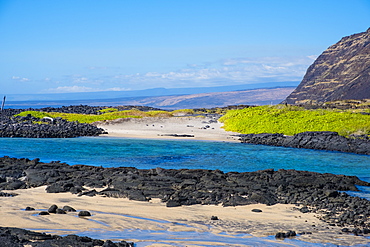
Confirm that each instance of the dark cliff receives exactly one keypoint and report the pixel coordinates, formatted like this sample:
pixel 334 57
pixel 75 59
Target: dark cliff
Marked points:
pixel 341 72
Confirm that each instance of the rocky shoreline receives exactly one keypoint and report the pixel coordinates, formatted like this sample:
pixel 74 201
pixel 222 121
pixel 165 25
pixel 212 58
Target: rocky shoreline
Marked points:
pixel 16 237
pixel 30 127
pixel 322 140
pixel 323 194
pixel 55 128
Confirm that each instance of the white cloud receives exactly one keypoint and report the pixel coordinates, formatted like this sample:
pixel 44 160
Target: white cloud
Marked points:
pixel 231 71
pixel 313 57
pixel 116 89
pixel 21 79
pixel 228 71
pixel 81 89
pixel 70 89
pixel 80 80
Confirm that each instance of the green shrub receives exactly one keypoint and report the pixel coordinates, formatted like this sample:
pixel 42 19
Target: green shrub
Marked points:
pixel 290 120
pixel 85 118
pixel 159 114
pixel 36 114
pixel 108 110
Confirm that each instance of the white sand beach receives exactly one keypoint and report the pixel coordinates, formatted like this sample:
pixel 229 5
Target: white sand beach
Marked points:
pixel 202 128
pixel 120 214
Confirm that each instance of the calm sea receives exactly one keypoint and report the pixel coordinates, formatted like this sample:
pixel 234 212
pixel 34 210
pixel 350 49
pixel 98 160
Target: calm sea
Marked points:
pixel 145 154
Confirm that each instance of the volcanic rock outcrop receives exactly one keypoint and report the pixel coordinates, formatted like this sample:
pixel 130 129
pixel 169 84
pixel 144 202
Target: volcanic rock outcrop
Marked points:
pixel 321 140
pixel 341 72
pixel 319 193
pixel 16 237
pixel 31 127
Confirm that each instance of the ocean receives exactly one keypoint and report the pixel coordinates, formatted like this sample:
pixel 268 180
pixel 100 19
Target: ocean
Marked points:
pixel 177 154
pixel 189 154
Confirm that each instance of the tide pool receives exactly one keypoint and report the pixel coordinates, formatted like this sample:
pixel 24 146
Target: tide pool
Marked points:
pixel 189 154
pixel 178 154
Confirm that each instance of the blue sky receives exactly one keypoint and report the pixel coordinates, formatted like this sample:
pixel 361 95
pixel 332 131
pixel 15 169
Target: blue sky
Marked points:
pixel 94 45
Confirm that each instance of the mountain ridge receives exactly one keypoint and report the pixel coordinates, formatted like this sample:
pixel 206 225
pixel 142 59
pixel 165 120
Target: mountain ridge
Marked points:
pixel 259 96
pixel 145 92
pixel 341 72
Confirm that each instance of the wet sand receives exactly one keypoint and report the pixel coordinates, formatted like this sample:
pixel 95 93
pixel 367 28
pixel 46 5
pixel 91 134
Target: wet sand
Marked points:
pixel 202 128
pixel 123 215
pixel 151 222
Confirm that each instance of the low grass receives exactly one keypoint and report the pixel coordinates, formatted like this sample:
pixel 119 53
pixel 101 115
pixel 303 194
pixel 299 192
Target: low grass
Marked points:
pixel 158 114
pixel 290 120
pixel 108 110
pixel 183 112
pixel 109 114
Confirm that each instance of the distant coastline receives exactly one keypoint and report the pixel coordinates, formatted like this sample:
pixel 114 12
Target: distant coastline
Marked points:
pixel 164 99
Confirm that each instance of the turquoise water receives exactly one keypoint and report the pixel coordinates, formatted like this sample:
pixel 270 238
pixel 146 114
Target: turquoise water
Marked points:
pixel 142 153
pixel 176 154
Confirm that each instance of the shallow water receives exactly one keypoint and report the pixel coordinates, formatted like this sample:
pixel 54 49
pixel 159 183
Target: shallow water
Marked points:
pixel 190 154
pixel 199 238
pixel 175 154
pixel 204 239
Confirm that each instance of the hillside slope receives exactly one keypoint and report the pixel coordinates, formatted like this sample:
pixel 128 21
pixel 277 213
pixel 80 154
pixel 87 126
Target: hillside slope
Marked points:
pixel 201 100
pixel 340 72
pixel 208 100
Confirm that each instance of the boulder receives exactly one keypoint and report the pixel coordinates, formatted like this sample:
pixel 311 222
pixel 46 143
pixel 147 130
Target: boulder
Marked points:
pixel 84 213
pixel 53 209
pixel 69 209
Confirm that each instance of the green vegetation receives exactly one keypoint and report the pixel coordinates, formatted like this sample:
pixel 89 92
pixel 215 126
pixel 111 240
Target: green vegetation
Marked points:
pixel 36 114
pixel 183 112
pixel 219 110
pixel 109 114
pixel 290 120
pixel 82 118
pixel 108 110
pixel 158 114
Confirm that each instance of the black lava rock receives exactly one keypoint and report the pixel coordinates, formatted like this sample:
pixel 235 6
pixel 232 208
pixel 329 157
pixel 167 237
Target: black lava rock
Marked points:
pixel 319 193
pixel 69 209
pixel 84 213
pixel 60 211
pixel 31 127
pixel 53 209
pixel 321 140
pixel 15 237
pixel 304 210
pixel 280 235
pixel 173 203
pixel 256 210
pixel 288 234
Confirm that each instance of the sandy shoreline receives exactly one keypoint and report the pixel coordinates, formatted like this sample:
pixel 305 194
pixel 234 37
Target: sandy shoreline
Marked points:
pixel 112 214
pixel 154 224
pixel 201 128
